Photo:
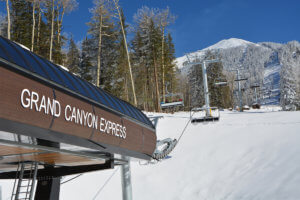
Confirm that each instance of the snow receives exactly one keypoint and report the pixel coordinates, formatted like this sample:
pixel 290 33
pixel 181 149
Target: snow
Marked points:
pixel 271 82
pixel 63 67
pixel 250 155
pixel 230 43
pixel 223 44
pixel 23 46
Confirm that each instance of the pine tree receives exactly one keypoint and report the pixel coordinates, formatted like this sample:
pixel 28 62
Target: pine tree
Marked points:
pixel 73 58
pixel 120 14
pixel 170 67
pixel 102 34
pixel 121 75
pixel 148 44
pixel 21 13
pixel 49 32
pixel 3 25
pixel 85 61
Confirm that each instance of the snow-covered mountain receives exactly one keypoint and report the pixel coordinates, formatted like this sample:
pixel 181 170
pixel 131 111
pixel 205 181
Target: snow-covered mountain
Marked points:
pixel 261 63
pixel 230 43
pixel 221 45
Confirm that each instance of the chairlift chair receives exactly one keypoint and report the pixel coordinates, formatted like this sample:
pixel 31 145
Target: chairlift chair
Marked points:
pixel 210 114
pixel 224 83
pixel 173 100
pixel 220 82
pixel 255 105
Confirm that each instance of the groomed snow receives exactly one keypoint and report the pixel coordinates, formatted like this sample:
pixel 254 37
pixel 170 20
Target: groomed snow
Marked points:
pixel 250 155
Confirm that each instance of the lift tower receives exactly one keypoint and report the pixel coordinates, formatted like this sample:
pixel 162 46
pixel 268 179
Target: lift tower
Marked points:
pixel 205 83
pixel 239 79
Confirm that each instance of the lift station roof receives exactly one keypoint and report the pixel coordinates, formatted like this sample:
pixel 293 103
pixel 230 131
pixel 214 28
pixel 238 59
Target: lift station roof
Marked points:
pixel 52 73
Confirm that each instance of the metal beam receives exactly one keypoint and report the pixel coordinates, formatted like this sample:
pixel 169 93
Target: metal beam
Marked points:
pixel 126 180
pixel 48 189
pixel 53 172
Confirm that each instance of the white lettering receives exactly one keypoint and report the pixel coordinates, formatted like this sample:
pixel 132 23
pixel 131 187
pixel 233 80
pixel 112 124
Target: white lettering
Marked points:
pixel 102 124
pixel 57 108
pixel 43 105
pixel 90 119
pixel 25 104
pixel 34 100
pixel 85 115
pixel 67 117
pixel 124 132
pixel 95 122
pixel 74 115
pixel 117 129
pixel 50 106
pixel 79 116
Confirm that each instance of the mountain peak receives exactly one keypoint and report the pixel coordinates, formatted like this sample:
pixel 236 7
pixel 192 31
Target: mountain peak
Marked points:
pixel 229 43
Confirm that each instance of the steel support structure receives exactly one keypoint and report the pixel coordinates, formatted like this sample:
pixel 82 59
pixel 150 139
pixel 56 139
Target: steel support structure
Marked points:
pixel 126 180
pixel 205 82
pixel 240 90
pixel 239 79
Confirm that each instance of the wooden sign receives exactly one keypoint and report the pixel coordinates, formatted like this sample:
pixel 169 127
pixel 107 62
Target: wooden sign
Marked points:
pixel 29 103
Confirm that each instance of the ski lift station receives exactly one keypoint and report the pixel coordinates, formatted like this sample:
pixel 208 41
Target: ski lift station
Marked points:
pixel 53 124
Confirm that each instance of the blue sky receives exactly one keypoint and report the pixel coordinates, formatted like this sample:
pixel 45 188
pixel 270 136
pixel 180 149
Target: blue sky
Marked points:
pixel 201 23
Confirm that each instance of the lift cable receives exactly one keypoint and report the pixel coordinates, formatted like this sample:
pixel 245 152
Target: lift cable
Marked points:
pixel 169 143
pixel 71 179
pixel 105 183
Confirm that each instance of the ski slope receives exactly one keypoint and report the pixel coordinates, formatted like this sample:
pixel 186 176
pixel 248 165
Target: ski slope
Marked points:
pixel 250 155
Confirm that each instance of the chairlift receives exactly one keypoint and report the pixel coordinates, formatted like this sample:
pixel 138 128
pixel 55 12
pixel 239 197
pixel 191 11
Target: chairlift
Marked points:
pixel 255 105
pixel 220 82
pixel 241 79
pixel 173 101
pixel 210 114
pixel 206 113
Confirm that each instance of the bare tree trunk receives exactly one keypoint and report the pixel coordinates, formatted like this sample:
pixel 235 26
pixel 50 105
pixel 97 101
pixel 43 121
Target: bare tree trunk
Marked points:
pixel 39 24
pixel 157 101
pixel 99 50
pixel 52 30
pixel 128 57
pixel 59 24
pixel 126 88
pixel 163 64
pixel 146 108
pixel 33 25
pixel 8 19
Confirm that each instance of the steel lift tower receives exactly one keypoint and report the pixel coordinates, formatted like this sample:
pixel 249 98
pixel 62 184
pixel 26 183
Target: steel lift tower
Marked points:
pixel 208 114
pixel 239 79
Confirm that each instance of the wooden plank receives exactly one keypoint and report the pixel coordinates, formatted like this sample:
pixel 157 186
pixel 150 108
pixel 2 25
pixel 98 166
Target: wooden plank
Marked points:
pixel 11 150
pixel 13 154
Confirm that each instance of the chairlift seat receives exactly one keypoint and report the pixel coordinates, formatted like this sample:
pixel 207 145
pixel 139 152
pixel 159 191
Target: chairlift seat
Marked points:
pixel 172 104
pixel 241 79
pixel 206 118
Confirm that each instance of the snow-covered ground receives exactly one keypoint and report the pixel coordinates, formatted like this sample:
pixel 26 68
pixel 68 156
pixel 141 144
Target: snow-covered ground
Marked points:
pixel 250 155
